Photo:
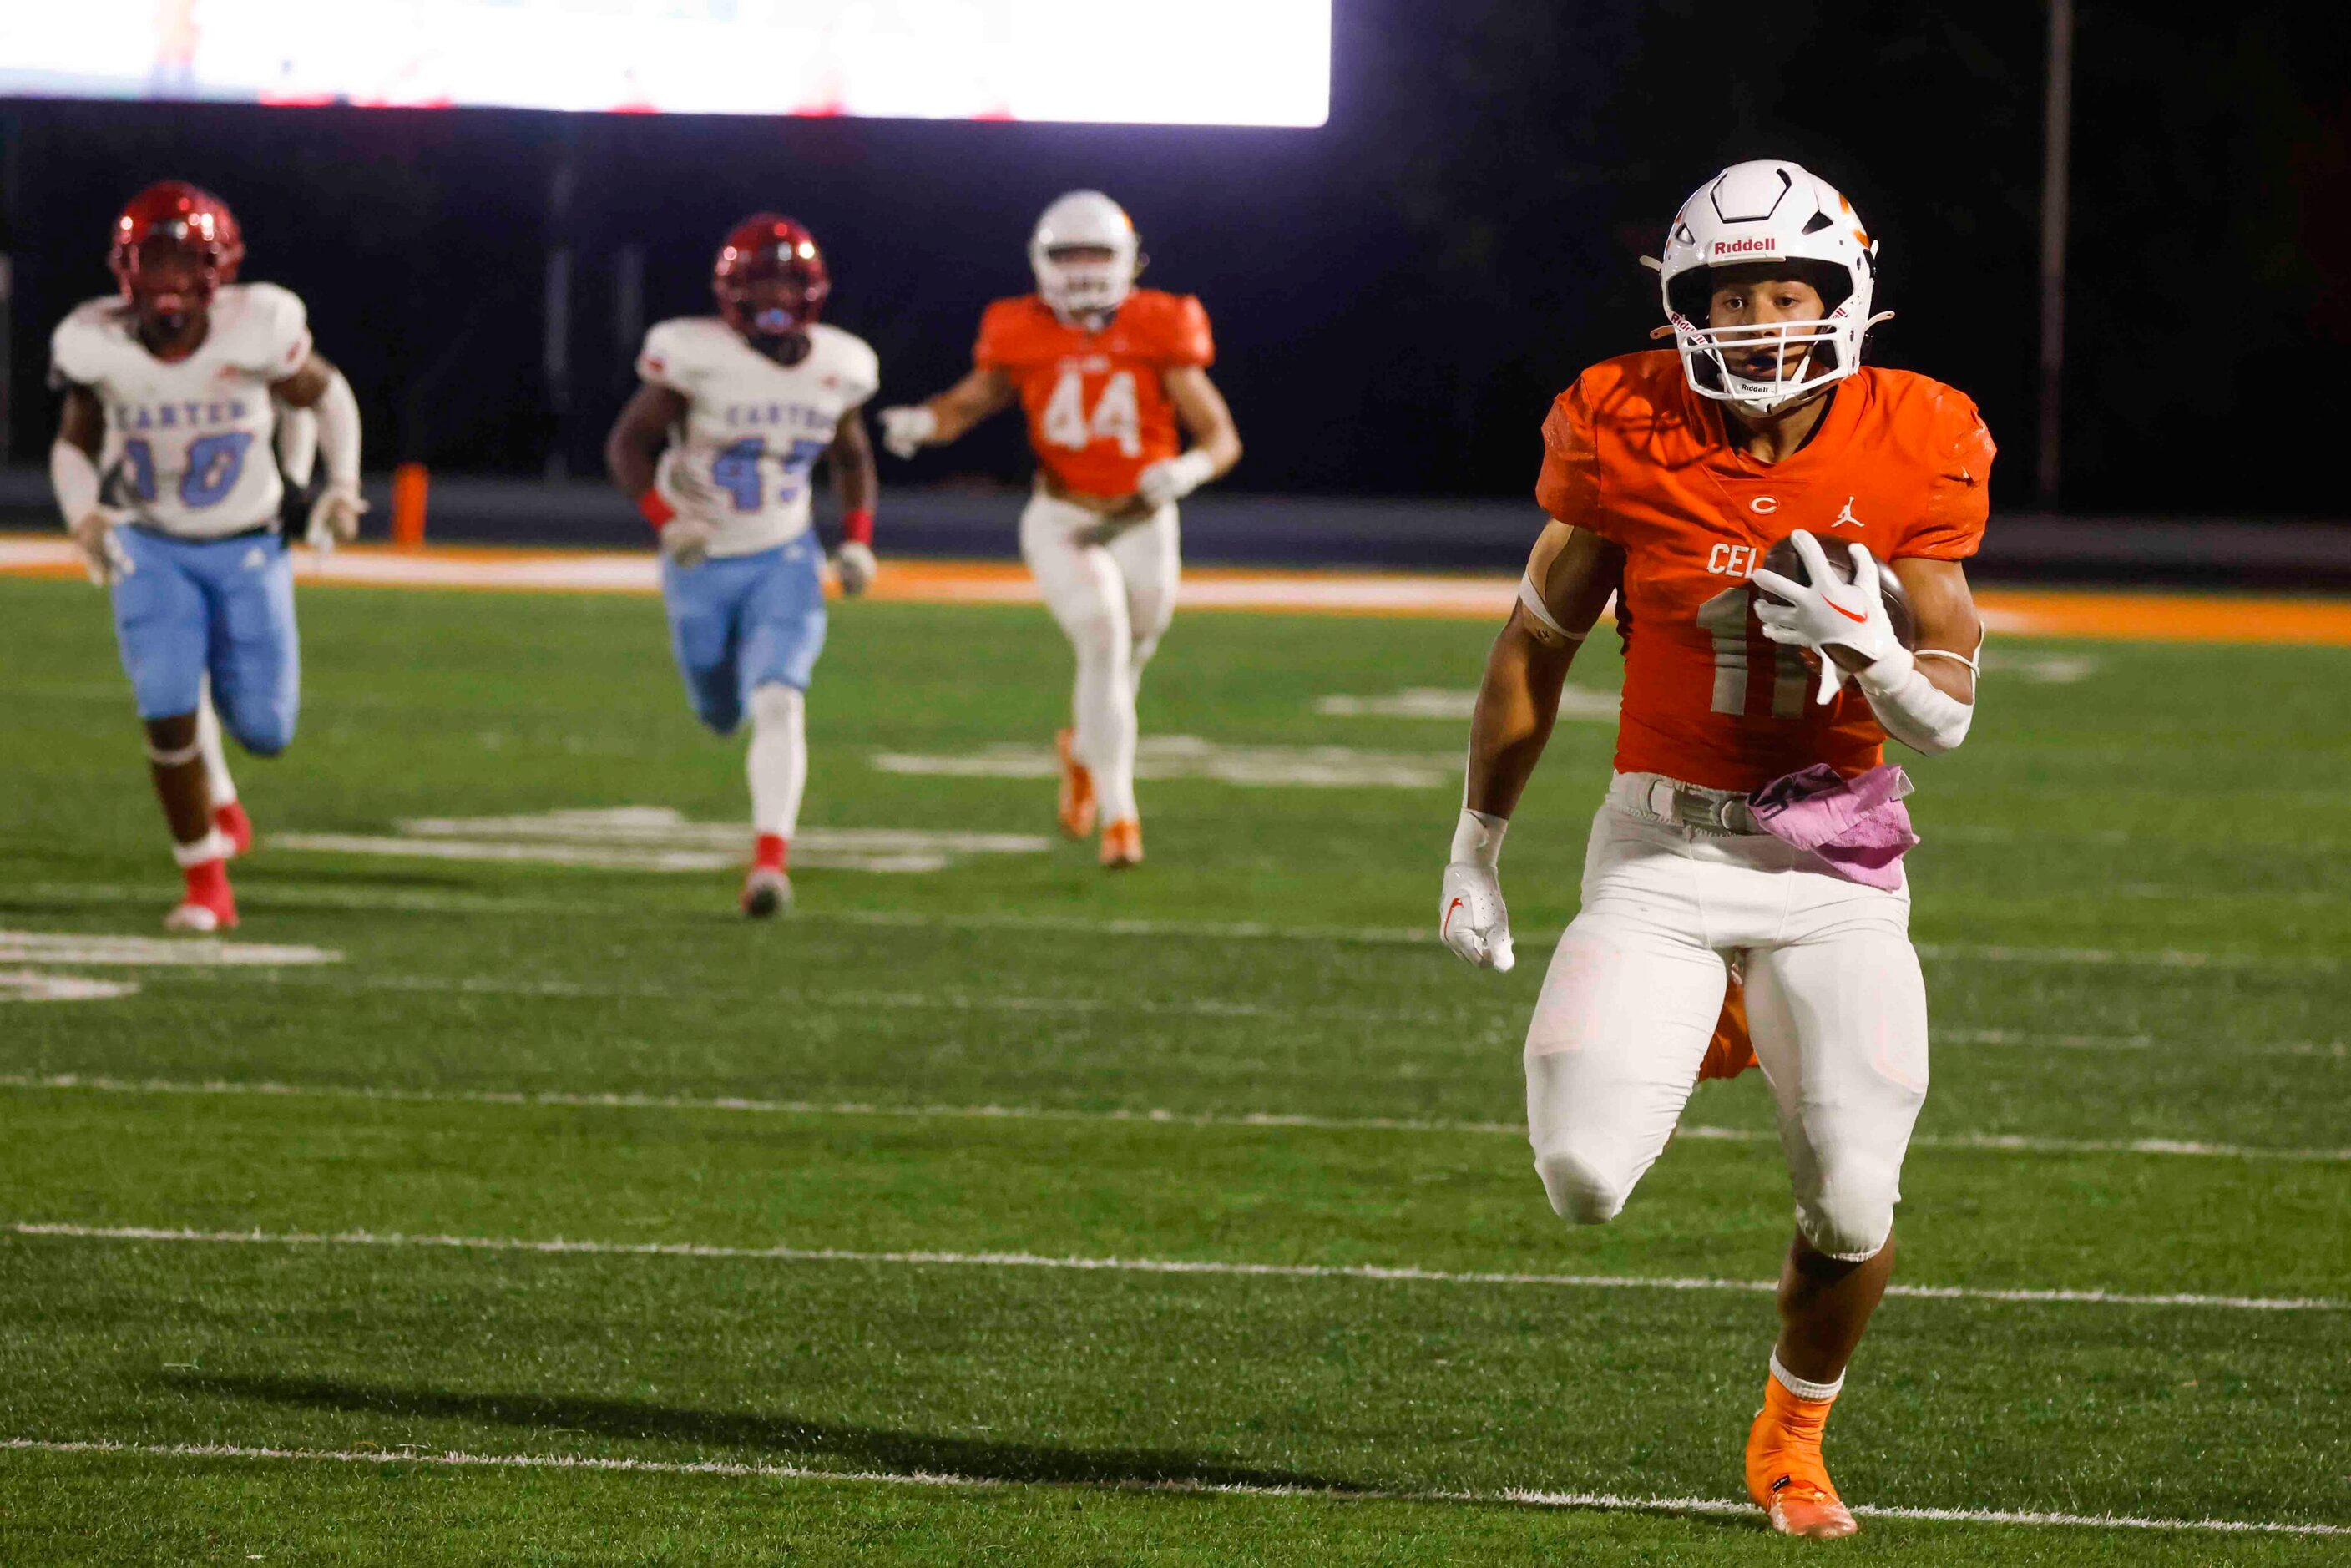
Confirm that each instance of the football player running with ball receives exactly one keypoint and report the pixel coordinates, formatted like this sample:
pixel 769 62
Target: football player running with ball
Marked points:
pixel 1106 372
pixel 715 448
pixel 165 469
pixel 1751 820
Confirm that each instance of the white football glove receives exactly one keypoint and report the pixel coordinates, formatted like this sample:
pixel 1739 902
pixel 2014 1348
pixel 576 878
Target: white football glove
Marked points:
pixel 1831 614
pixel 1172 478
pixel 854 564
pixel 1470 915
pixel 686 539
pixel 906 431
pixel 334 519
pixel 103 556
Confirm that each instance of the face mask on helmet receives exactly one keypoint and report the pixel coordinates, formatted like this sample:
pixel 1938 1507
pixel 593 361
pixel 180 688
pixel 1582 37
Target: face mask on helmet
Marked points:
pixel 1084 256
pixel 1762 223
pixel 770 282
pixel 1779 338
pixel 174 247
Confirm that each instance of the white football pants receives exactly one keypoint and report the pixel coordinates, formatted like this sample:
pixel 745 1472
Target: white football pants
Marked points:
pixel 1834 1001
pixel 1113 601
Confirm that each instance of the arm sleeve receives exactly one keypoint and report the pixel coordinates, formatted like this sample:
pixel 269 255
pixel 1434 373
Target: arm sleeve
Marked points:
pixel 659 361
pixel 281 340
pixel 1568 488
pixel 1189 342
pixel 1958 502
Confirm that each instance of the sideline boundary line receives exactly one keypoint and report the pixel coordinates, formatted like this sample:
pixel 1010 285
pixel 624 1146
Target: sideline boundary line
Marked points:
pixel 1606 1502
pixel 1382 1273
pixel 1245 1121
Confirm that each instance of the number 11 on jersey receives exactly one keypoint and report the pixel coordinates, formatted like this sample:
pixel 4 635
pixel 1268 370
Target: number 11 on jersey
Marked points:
pixel 1729 619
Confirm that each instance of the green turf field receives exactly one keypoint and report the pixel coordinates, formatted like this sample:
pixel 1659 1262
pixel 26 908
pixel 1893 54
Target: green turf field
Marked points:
pixel 825 1179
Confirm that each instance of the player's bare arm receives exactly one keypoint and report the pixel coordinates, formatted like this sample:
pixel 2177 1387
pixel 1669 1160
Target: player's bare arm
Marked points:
pixel 1571 571
pixel 858 487
pixel 981 395
pixel 634 443
pixel 1205 418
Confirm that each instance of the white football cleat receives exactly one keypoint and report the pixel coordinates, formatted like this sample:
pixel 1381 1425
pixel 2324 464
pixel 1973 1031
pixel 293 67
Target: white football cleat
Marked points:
pixel 765 893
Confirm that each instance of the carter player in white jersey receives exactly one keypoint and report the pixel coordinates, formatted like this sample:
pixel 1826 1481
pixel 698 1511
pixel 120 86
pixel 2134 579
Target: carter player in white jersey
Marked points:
pixel 165 466
pixel 715 448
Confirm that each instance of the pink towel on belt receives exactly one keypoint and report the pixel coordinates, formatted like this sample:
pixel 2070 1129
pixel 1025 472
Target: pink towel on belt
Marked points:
pixel 1859 825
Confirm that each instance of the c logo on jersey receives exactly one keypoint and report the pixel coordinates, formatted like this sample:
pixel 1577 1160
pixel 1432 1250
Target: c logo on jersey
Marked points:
pixel 1764 505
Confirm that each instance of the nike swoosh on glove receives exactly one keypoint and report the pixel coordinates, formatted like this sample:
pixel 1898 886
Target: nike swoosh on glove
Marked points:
pixel 1827 613
pixel 1472 917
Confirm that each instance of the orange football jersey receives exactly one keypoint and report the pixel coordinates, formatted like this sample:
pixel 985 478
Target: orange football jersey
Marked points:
pixel 1098 410
pixel 1630 452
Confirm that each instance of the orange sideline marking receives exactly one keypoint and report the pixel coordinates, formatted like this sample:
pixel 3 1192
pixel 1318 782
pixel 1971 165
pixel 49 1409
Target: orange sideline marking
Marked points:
pixel 2009 612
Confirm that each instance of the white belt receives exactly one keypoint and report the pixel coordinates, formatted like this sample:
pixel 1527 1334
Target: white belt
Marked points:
pixel 1704 810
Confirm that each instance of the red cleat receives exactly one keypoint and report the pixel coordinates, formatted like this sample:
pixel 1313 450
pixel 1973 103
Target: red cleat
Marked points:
pixel 767 890
pixel 234 826
pixel 208 905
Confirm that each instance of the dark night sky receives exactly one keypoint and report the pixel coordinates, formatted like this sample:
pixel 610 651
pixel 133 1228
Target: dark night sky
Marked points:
pixel 1397 294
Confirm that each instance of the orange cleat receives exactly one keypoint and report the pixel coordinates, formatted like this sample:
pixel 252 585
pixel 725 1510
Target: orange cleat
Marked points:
pixel 1077 788
pixel 1785 1474
pixel 1121 844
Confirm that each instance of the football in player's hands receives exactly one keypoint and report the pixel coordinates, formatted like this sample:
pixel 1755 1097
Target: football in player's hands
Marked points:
pixel 1785 560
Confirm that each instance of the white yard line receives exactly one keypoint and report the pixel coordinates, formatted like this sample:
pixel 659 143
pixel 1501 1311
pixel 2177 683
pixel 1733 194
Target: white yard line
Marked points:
pixel 327 896
pixel 1241 1121
pixel 1405 1274
pixel 1609 1502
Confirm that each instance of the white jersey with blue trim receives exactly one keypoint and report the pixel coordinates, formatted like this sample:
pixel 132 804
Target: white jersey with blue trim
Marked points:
pixel 753 428
pixel 188 448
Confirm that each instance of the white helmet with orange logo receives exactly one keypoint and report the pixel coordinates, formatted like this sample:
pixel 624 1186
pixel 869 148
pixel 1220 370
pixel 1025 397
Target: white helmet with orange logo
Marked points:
pixel 1090 285
pixel 1768 211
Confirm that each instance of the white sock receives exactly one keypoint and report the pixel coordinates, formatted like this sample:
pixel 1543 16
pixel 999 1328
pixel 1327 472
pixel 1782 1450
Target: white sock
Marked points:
pixel 778 763
pixel 1104 702
pixel 215 756
pixel 213 846
pixel 1799 1387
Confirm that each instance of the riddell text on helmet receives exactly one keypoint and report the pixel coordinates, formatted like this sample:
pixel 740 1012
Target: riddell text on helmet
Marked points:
pixel 1743 246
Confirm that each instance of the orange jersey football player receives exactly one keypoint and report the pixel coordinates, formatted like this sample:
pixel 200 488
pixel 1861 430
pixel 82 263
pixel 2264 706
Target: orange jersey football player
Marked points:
pixel 1751 820
pixel 1112 379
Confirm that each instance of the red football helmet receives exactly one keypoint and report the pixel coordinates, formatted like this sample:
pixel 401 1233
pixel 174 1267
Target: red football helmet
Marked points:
pixel 170 219
pixel 770 279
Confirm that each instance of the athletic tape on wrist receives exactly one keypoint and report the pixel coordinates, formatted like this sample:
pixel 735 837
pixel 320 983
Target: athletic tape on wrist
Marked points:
pixel 1477 837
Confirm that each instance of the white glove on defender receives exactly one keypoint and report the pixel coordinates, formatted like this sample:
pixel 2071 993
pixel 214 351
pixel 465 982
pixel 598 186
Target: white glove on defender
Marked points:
pixel 1829 614
pixel 334 519
pixel 102 557
pixel 853 563
pixel 906 431
pixel 1470 915
pixel 686 541
pixel 1171 480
